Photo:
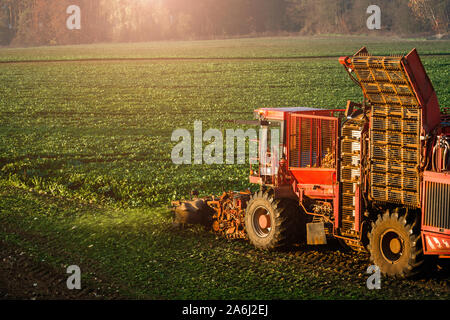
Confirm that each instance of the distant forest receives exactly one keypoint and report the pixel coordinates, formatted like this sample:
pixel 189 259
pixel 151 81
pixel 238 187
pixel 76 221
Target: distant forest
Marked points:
pixel 44 22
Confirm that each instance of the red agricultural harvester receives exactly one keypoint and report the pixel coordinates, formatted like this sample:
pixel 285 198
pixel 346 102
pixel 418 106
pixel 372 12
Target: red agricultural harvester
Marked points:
pixel 375 176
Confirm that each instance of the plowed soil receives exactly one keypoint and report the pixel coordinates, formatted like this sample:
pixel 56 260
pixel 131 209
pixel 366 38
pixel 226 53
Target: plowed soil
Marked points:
pixel 23 277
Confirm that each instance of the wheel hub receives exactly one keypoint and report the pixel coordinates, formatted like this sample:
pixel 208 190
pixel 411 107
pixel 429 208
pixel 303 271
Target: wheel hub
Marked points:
pixel 395 246
pixel 264 221
pixel 391 246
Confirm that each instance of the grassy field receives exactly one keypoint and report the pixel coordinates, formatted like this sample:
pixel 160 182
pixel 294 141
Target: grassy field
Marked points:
pixel 85 168
pixel 285 47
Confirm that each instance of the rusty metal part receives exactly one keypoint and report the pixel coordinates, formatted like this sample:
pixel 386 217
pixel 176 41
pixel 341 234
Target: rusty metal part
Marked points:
pixel 354 244
pixel 328 160
pixel 315 233
pixel 224 215
pixel 323 208
pixel 228 219
pixel 192 212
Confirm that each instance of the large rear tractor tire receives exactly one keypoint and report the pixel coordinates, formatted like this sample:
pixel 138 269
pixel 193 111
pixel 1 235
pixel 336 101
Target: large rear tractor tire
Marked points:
pixel 273 223
pixel 395 246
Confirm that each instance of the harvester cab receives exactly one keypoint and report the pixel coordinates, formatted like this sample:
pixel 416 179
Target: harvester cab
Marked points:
pixel 295 138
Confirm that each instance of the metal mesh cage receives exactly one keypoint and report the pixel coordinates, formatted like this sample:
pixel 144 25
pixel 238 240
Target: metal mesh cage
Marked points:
pixel 395 125
pixel 311 141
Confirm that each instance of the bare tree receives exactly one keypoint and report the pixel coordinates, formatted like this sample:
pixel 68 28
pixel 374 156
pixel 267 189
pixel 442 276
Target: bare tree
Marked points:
pixel 433 11
pixel 40 22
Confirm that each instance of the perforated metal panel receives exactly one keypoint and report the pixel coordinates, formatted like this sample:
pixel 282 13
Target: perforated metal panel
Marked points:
pixel 395 129
pixel 350 172
pixel 311 141
pixel 437 205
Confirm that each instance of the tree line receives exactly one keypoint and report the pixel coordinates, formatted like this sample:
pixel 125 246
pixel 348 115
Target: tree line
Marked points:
pixel 43 22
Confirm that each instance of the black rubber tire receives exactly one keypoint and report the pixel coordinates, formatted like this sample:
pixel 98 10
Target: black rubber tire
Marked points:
pixel 285 221
pixel 403 258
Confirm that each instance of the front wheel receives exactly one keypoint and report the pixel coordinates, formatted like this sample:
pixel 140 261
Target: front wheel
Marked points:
pixel 272 223
pixel 394 246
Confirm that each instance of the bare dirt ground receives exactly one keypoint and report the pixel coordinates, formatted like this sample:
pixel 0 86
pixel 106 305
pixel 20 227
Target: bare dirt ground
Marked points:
pixel 22 277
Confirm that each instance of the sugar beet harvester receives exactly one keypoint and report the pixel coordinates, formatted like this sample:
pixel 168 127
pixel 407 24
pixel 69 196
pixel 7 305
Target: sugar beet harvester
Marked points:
pixel 375 175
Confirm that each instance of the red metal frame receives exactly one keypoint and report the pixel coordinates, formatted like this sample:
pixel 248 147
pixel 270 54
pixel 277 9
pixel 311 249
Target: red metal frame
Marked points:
pixel 357 210
pixel 438 177
pixel 281 114
pixel 436 241
pixel 423 89
pixel 336 205
pixel 314 182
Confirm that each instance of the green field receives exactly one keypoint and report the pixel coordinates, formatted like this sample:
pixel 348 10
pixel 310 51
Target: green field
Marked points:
pixel 85 154
pixel 286 47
